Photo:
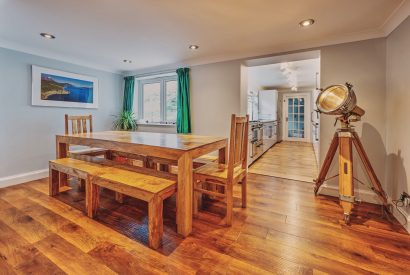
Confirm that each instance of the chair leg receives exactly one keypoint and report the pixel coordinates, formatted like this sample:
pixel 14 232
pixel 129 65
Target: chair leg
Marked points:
pixel 155 222
pixel 92 197
pixel 243 188
pixel 197 204
pixel 82 185
pixel 229 203
pixel 119 197
pixel 54 182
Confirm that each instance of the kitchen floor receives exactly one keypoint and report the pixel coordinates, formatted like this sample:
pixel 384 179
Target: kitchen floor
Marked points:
pixel 288 159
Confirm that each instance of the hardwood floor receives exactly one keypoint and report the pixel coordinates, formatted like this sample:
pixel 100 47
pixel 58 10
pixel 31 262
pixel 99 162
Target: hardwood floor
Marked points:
pixel 284 230
pixel 289 160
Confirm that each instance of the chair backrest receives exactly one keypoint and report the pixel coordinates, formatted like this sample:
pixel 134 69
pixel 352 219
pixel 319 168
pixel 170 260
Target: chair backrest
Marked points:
pixel 78 124
pixel 238 143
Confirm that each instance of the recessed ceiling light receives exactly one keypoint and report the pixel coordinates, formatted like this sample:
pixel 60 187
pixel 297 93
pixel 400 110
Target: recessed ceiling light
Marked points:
pixel 127 61
pixel 47 35
pixel 193 47
pixel 306 23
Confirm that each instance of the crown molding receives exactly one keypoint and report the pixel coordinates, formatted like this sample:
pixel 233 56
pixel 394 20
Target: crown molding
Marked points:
pixel 401 12
pixel 56 56
pixel 396 17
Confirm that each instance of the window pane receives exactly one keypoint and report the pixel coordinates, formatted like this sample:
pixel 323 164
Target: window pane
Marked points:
pixel 290 101
pixel 152 102
pixel 171 101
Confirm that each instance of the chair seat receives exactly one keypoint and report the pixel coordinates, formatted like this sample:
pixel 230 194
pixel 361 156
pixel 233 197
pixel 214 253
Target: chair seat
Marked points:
pixel 218 171
pixel 206 159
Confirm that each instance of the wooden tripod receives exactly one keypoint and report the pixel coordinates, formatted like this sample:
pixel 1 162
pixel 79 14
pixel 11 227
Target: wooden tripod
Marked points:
pixel 343 139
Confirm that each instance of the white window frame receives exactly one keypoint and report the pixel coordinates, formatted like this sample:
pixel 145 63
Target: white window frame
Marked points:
pixel 139 95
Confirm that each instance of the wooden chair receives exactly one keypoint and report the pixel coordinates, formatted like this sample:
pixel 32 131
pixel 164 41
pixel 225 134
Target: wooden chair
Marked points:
pixel 79 126
pixel 217 180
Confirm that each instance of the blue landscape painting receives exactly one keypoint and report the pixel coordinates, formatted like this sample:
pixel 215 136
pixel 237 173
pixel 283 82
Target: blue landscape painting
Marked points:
pixel 59 88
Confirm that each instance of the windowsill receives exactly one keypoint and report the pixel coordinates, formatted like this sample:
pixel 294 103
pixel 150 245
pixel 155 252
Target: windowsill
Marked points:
pixel 157 124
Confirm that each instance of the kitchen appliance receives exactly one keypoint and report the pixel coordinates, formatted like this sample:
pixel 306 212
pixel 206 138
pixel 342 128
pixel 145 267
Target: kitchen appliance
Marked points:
pixel 268 105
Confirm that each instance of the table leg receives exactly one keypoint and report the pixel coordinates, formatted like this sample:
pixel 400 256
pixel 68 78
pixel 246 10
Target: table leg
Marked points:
pixel 62 151
pixel 184 195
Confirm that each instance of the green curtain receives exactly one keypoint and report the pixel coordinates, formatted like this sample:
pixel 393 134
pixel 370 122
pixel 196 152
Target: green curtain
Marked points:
pixel 183 105
pixel 128 93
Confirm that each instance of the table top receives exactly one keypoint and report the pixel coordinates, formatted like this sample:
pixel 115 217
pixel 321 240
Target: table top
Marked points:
pixel 173 141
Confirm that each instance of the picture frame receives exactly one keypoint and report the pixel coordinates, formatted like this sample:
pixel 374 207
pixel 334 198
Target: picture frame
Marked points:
pixel 63 89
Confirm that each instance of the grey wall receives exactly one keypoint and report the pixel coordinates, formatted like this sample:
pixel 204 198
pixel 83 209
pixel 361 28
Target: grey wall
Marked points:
pixel 364 65
pixel 215 95
pixel 27 133
pixel 397 110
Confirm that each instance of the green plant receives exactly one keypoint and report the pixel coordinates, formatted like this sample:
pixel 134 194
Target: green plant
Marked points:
pixel 125 121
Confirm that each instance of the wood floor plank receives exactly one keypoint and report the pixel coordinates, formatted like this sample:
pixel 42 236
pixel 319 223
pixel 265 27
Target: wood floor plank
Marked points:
pixel 284 230
pixel 22 257
pixel 120 260
pixel 290 160
pixel 69 258
pixel 30 229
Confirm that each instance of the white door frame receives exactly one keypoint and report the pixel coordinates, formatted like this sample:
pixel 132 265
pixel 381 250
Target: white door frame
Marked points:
pixel 308 107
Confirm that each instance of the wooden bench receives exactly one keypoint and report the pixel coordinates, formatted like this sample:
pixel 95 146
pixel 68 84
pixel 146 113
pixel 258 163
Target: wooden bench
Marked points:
pixel 140 185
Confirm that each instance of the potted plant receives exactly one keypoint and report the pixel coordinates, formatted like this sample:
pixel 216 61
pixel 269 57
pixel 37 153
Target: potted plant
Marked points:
pixel 125 121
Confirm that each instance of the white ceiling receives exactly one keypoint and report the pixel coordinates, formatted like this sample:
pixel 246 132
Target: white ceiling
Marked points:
pixel 283 76
pixel 101 33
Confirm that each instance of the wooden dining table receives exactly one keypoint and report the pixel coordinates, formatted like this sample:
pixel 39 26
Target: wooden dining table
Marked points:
pixel 182 148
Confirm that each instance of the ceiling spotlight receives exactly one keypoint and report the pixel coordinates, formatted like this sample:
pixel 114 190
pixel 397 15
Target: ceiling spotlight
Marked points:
pixel 127 61
pixel 306 23
pixel 47 35
pixel 193 47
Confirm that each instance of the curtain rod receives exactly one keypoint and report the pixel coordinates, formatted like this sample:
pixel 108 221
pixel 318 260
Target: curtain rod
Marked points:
pixel 155 73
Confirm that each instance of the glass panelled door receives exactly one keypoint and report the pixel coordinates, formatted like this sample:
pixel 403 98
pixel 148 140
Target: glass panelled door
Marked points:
pixel 295 118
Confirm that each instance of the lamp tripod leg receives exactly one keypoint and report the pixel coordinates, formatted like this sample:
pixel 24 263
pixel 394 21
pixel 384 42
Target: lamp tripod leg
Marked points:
pixel 346 189
pixel 369 170
pixel 327 162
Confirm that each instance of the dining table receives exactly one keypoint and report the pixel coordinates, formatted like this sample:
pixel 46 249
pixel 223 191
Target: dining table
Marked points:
pixel 182 148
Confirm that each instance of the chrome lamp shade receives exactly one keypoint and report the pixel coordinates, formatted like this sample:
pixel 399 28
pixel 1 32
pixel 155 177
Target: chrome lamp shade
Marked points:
pixel 338 100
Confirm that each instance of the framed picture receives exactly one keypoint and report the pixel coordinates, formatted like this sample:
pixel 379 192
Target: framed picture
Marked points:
pixel 62 89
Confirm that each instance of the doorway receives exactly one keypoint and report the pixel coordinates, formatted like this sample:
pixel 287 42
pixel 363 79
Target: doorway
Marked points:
pixel 296 117
pixel 293 81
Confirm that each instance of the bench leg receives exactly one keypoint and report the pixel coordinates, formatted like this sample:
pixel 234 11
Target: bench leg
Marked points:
pixel 54 182
pixel 92 197
pixel 155 222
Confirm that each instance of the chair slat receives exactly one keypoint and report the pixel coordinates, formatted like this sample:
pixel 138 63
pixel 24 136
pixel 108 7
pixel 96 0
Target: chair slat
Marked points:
pixel 84 123
pixel 79 128
pixel 74 127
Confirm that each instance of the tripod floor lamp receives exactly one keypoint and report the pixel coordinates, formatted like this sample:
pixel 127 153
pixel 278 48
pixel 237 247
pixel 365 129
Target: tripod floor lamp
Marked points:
pixel 340 100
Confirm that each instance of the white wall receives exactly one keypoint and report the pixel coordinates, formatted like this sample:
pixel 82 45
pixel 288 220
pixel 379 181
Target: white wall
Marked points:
pixel 397 111
pixel 27 133
pixel 364 65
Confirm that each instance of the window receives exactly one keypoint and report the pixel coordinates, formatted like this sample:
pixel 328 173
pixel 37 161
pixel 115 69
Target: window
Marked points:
pixel 157 100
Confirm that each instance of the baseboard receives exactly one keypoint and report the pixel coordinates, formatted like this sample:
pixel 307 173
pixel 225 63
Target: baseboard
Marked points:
pixel 363 195
pixel 400 217
pixel 371 197
pixel 24 177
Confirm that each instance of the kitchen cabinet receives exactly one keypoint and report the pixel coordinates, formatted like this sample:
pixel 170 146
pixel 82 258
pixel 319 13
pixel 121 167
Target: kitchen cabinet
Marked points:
pixel 262 136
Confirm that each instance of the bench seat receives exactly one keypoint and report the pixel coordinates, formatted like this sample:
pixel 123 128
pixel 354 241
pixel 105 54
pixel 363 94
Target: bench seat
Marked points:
pixel 143 186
